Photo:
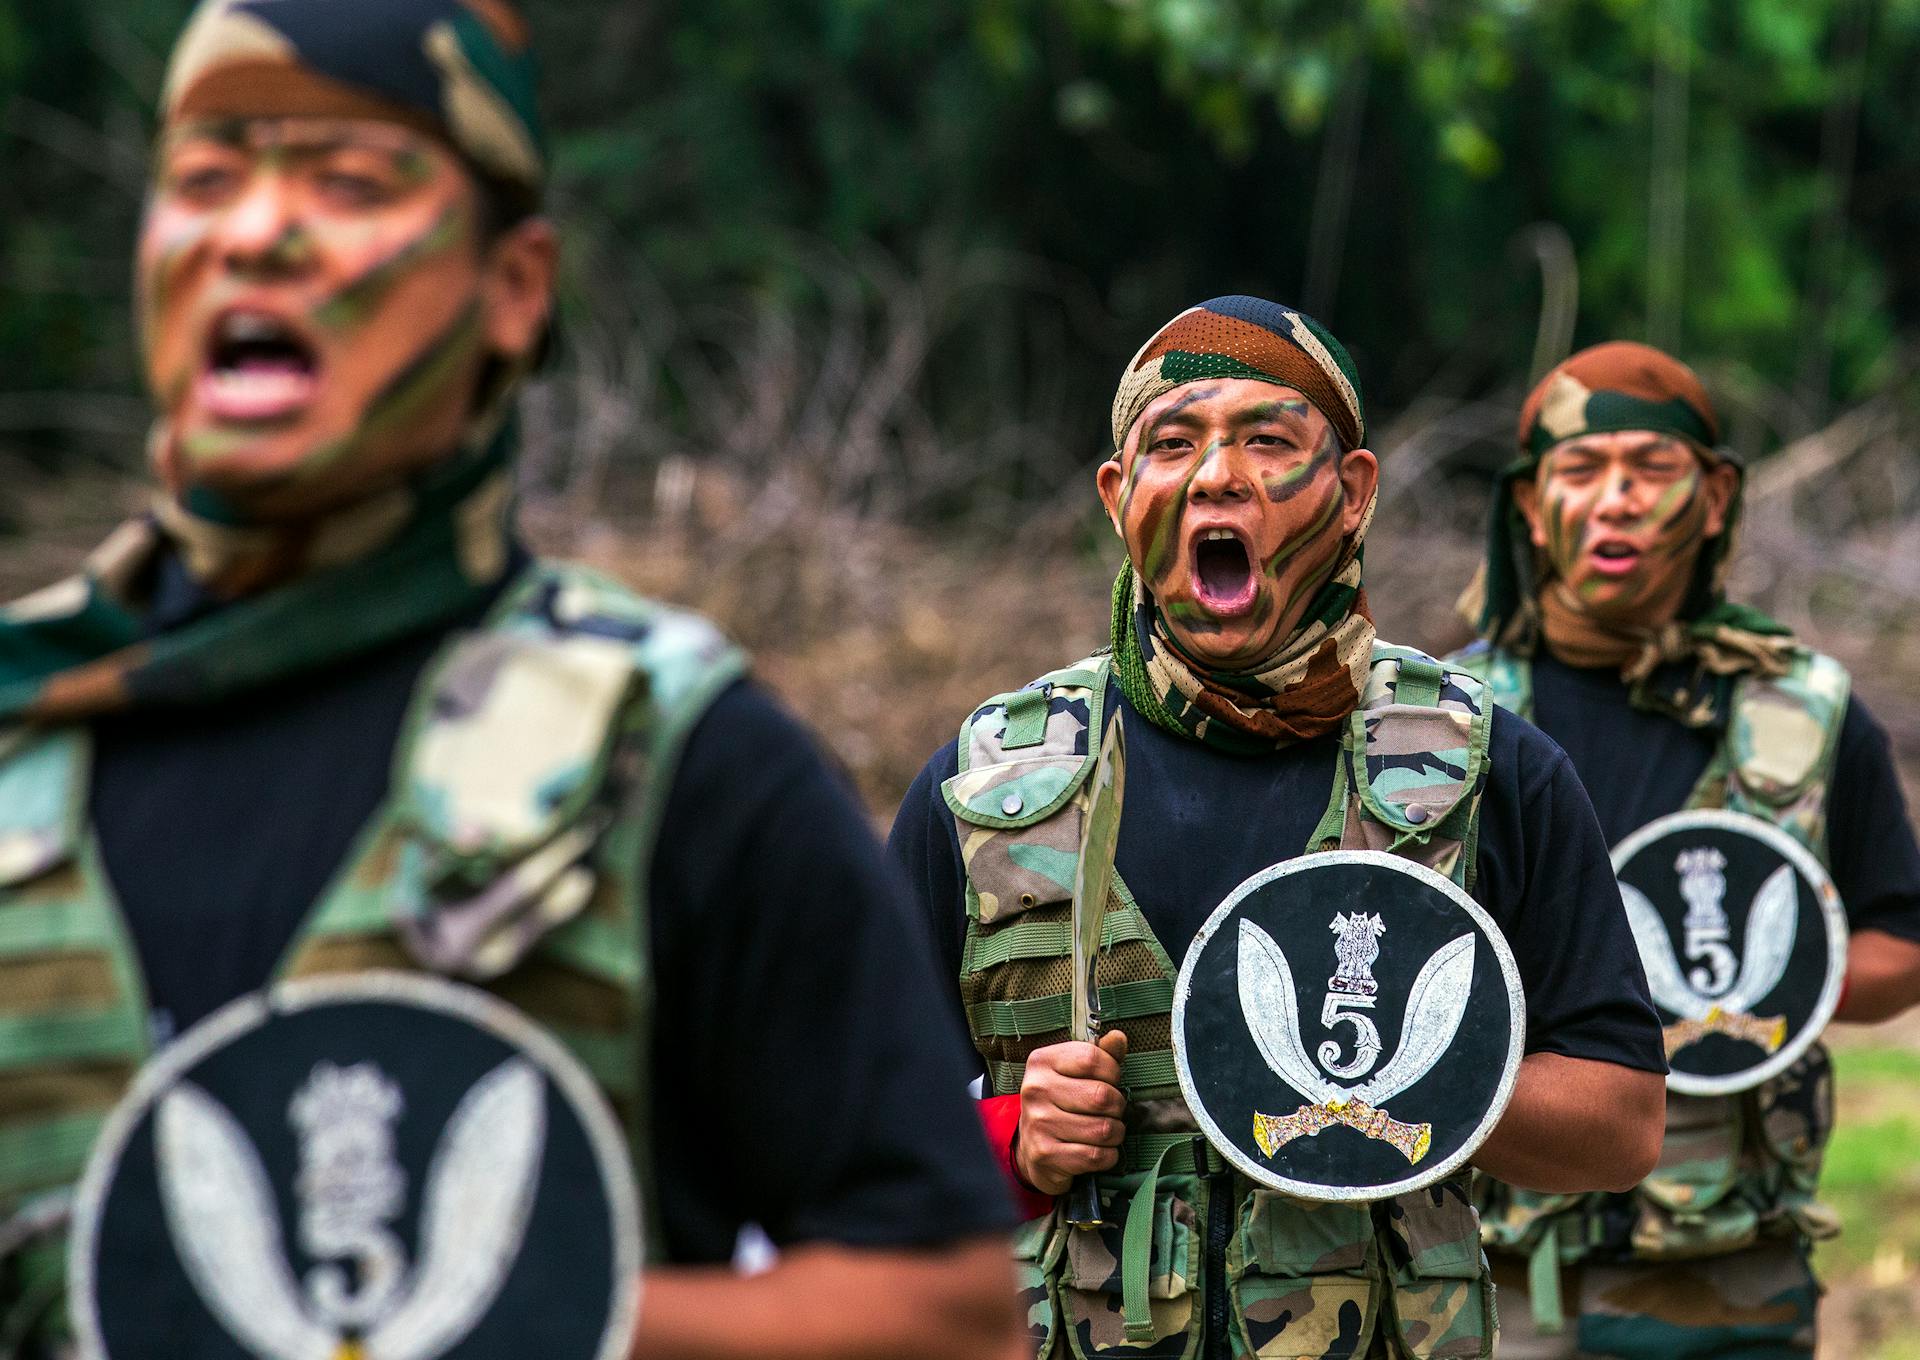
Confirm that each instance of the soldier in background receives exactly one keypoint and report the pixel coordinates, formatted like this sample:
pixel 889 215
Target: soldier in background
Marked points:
pixel 1241 649
pixel 318 711
pixel 1604 620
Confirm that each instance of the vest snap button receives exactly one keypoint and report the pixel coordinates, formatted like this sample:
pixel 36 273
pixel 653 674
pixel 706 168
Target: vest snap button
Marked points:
pixel 1011 805
pixel 1028 899
pixel 1416 814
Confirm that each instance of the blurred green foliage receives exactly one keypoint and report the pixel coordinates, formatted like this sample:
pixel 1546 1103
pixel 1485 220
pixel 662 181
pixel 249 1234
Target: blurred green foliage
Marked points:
pixel 1738 180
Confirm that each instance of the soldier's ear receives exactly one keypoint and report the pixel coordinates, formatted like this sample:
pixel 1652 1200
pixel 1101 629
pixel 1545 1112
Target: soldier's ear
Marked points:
pixel 1718 485
pixel 1109 480
pixel 1359 479
pixel 1526 499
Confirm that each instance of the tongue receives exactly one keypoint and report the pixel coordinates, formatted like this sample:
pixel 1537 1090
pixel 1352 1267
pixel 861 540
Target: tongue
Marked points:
pixel 1224 569
pixel 269 365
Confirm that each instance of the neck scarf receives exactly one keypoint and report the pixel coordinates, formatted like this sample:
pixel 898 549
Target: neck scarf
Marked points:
pixel 373 574
pixel 1685 668
pixel 1305 691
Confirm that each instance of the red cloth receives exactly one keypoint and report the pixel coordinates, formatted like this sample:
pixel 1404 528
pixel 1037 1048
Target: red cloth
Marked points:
pixel 1000 1116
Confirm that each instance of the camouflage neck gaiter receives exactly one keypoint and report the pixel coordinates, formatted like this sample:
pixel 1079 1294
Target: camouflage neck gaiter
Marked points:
pixel 1305 691
pixel 83 647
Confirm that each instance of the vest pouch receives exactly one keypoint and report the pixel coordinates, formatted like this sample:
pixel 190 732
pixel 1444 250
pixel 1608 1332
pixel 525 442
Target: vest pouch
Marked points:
pixel 503 761
pixel 1511 1219
pixel 1418 762
pixel 1794 1113
pixel 1037 1246
pixel 1687 1207
pixel 1442 1295
pixel 1302 1278
pixel 1019 832
pixel 1092 1279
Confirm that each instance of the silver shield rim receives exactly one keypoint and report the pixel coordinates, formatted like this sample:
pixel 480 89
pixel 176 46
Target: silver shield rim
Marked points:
pixel 427 991
pixel 1832 912
pixel 1509 1072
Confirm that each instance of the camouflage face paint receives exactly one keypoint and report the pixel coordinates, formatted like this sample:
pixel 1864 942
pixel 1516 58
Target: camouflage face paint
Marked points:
pixel 373 272
pixel 1621 525
pixel 1285 486
pixel 357 299
pixel 1243 459
pixel 1149 437
pixel 1163 536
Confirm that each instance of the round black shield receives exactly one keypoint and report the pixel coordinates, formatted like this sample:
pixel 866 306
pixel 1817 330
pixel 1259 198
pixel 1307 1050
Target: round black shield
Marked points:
pixel 1743 939
pixel 376 1164
pixel 1348 1026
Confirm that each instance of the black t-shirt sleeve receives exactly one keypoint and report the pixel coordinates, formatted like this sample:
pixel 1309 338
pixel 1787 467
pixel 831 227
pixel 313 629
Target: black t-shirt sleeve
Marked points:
pixel 809 1076
pixel 926 846
pixel 1546 877
pixel 1870 843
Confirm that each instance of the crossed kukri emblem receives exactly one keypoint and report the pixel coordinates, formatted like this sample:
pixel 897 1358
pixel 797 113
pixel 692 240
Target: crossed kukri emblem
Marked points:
pixel 1712 1000
pixel 1436 1004
pixel 221 1211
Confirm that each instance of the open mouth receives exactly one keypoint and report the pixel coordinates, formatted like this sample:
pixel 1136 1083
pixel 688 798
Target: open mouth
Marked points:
pixel 1614 558
pixel 1223 579
pixel 258 368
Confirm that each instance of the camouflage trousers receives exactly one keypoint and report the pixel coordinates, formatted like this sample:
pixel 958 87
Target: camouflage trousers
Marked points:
pixel 1756 1304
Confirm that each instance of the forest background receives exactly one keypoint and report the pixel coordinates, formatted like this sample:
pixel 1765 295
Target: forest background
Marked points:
pixel 848 284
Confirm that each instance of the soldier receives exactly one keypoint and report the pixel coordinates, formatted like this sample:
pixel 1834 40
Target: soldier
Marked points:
pixel 1242 650
pixel 318 712
pixel 1604 619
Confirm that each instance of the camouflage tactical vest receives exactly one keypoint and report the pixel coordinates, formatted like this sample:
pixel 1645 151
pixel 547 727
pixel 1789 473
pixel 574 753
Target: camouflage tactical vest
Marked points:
pixel 1401 1278
pixel 1733 1169
pixel 530 776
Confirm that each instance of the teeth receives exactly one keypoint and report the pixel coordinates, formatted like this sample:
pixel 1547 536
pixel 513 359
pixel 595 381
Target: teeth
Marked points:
pixel 250 326
pixel 1215 535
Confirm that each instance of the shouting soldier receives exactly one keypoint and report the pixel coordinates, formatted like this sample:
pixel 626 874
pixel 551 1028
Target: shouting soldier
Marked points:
pixel 1603 619
pixel 1254 694
pixel 317 712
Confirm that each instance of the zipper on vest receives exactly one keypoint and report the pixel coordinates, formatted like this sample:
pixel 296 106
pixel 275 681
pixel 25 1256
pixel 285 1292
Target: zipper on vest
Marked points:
pixel 1219 1228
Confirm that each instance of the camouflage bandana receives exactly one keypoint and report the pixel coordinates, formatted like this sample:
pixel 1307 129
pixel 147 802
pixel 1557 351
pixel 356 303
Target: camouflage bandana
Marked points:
pixel 422 556
pixel 1244 337
pixel 1305 691
pixel 458 70
pixel 1687 667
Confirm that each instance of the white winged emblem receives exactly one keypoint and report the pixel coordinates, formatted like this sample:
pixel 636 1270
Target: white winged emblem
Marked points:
pixel 221 1211
pixel 1772 925
pixel 1436 1004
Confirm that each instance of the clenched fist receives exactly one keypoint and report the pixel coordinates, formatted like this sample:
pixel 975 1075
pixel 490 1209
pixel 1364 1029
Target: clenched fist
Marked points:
pixel 1070 1112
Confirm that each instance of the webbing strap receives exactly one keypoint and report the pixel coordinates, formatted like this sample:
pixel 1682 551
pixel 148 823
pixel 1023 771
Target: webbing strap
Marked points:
pixel 1027 718
pixel 1044 1014
pixel 1028 939
pixel 1136 1255
pixel 1184 1153
pixel 1149 1069
pixel 1138 1071
pixel 79 1036
pixel 47 1152
pixel 1543 1282
pixel 1418 682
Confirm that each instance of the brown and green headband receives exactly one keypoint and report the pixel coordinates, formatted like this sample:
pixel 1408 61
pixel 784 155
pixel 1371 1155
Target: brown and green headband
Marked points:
pixel 459 70
pixel 1244 337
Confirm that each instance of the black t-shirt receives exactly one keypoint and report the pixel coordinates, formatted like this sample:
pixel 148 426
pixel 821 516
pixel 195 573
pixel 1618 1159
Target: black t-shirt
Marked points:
pixel 800 1080
pixel 1197 822
pixel 1639 766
